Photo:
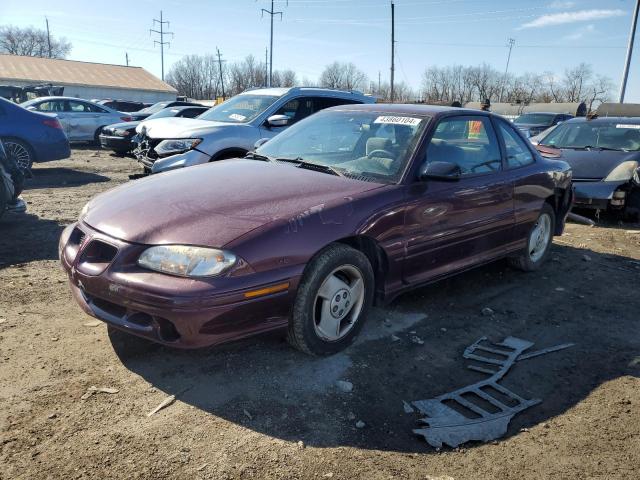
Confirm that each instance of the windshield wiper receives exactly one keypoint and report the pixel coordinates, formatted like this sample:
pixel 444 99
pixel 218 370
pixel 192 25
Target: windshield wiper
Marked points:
pixel 591 147
pixel 257 156
pixel 312 166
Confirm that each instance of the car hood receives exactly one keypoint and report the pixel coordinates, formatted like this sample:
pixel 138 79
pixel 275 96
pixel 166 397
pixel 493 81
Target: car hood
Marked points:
pixel 595 164
pixel 121 126
pixel 179 127
pixel 216 203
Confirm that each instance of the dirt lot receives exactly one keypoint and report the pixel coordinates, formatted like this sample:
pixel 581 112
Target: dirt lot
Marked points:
pixel 258 409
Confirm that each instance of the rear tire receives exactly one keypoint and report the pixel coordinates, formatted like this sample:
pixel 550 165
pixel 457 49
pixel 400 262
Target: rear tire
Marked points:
pixel 539 242
pixel 21 152
pixel 4 200
pixel 332 302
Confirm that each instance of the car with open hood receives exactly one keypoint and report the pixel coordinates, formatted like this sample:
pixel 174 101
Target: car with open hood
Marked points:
pixel 232 128
pixel 353 205
pixel 604 154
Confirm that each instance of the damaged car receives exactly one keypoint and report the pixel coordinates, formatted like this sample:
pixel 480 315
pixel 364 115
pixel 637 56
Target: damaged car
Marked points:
pixel 232 128
pixel 119 136
pixel 353 205
pixel 604 154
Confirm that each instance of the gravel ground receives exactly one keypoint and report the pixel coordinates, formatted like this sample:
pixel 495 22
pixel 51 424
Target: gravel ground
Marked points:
pixel 258 409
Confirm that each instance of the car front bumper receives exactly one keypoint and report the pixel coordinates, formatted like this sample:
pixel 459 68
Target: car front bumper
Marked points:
pixel 175 311
pixel 599 195
pixel 118 144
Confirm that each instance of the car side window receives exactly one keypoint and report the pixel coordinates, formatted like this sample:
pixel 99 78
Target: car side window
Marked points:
pixel 296 109
pixel 469 142
pixel 81 107
pixel 190 112
pixel 320 103
pixel 50 106
pixel 518 154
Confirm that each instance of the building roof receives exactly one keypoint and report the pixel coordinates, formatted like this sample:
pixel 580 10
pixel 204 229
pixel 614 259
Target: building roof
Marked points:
pixel 71 72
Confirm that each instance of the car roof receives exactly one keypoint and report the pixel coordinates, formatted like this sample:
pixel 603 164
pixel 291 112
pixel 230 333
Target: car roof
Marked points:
pixel 596 120
pixel 40 99
pixel 543 113
pixel 281 91
pixel 409 109
pixel 186 107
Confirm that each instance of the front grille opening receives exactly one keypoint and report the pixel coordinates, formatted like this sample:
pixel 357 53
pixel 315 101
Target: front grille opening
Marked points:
pixel 108 307
pixel 142 319
pixel 168 331
pixel 98 252
pixel 76 237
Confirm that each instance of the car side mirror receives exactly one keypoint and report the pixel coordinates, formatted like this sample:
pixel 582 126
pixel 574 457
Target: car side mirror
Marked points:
pixel 259 143
pixel 278 121
pixel 440 171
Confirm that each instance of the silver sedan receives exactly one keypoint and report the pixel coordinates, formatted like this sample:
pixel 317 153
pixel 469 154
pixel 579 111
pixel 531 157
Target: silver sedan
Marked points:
pixel 81 120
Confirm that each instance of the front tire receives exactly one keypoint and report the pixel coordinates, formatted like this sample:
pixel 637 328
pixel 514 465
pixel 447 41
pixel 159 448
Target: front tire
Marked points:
pixel 539 242
pixel 333 301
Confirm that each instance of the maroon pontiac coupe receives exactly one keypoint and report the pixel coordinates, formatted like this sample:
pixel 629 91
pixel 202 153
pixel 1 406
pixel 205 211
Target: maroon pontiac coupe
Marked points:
pixel 351 206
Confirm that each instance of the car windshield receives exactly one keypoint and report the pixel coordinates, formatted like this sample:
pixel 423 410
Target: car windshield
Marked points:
pixel 156 107
pixel 239 109
pixel 372 146
pixel 609 135
pixel 535 119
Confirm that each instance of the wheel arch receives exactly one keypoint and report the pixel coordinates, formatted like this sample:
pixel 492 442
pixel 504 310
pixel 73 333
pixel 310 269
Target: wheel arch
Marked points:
pixel 231 152
pixel 377 257
pixel 561 202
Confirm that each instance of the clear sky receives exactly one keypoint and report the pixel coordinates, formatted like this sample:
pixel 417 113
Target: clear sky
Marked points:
pixel 550 34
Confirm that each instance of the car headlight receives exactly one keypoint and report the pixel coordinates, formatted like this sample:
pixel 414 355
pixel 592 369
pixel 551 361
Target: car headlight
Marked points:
pixel 622 172
pixel 187 261
pixel 168 147
pixel 121 133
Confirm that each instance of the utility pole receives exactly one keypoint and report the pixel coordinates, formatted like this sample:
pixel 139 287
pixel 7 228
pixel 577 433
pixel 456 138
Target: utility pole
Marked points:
pixel 162 43
pixel 126 56
pixel 272 14
pixel 220 68
pixel 266 66
pixel 379 83
pixel 393 48
pixel 510 43
pixel 632 37
pixel 48 36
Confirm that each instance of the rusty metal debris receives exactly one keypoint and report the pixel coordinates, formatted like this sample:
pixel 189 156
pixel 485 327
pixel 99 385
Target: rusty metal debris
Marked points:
pixel 481 411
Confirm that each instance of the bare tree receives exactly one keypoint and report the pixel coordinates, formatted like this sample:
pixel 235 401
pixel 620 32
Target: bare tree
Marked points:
pixel 343 76
pixel 576 81
pixel 31 42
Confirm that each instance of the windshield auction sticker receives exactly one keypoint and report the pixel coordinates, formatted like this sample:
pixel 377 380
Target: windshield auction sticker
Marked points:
pixel 411 121
pixel 628 125
pixel 237 117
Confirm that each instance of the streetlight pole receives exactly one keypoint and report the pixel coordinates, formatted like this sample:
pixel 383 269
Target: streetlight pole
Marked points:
pixel 632 37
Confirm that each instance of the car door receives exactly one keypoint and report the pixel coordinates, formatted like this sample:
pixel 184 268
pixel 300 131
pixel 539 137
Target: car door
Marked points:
pixel 83 120
pixel 521 165
pixel 454 224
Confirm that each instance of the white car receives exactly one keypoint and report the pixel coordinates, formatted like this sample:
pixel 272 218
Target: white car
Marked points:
pixel 81 120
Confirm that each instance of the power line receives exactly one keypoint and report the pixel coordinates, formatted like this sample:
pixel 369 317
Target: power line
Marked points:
pixel 162 43
pixel 272 14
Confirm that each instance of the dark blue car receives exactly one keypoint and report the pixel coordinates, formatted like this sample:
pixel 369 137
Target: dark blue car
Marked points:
pixel 31 136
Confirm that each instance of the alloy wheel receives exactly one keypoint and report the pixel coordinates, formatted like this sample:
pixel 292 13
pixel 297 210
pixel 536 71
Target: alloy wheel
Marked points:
pixel 540 237
pixel 338 303
pixel 19 153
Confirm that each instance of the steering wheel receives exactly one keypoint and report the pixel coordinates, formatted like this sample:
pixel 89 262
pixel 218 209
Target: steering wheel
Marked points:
pixel 485 164
pixel 380 153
